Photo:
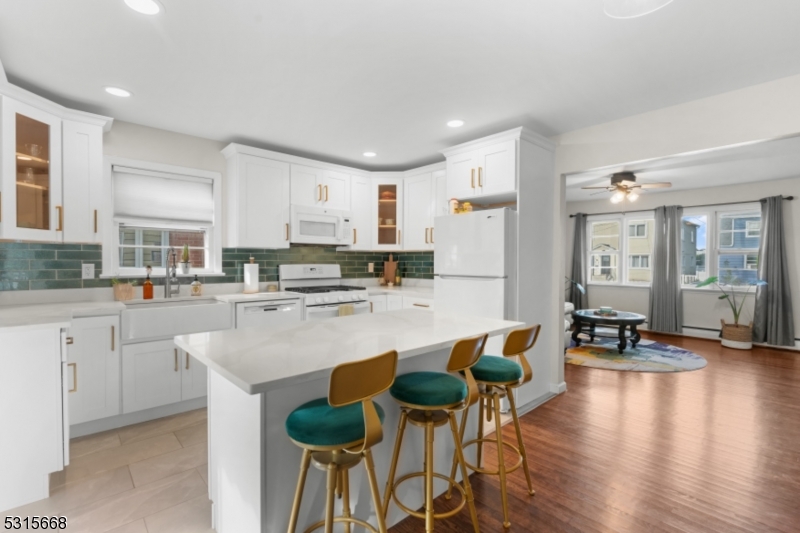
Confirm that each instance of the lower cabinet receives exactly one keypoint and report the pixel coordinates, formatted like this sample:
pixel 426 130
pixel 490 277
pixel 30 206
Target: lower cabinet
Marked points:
pixel 93 364
pixel 377 303
pixel 417 303
pixel 158 373
pixel 394 302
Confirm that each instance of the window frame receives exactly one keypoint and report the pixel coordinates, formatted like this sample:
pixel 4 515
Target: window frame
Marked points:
pixel 640 256
pixel 623 261
pixel 111 228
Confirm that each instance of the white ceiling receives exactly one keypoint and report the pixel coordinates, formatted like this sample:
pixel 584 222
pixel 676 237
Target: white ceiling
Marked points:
pixel 332 79
pixel 746 163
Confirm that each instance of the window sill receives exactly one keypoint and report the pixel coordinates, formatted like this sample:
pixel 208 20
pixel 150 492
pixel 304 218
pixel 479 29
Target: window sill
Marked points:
pixel 157 275
pixel 620 285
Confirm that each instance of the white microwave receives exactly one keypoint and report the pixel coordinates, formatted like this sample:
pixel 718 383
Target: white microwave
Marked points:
pixel 320 225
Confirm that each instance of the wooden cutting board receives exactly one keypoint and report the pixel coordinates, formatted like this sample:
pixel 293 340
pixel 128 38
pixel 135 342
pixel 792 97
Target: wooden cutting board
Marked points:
pixel 389 269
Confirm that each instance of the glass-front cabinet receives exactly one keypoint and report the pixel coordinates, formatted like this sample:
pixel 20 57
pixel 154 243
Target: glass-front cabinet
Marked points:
pixel 31 174
pixel 388 209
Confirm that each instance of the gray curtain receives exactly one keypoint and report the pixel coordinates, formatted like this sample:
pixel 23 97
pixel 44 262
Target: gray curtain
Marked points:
pixel 578 273
pixel 666 301
pixel 773 318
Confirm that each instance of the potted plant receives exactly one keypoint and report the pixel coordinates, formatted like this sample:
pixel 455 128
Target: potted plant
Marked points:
pixel 185 260
pixel 734 335
pixel 123 290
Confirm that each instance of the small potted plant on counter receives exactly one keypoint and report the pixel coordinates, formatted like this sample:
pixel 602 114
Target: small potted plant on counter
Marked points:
pixel 123 290
pixel 185 260
pixel 734 335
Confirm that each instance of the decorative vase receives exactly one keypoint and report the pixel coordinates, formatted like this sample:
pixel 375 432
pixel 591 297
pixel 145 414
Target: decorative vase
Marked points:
pixel 185 268
pixel 123 292
pixel 737 336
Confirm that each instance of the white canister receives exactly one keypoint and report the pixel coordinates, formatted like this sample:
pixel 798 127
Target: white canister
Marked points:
pixel 251 277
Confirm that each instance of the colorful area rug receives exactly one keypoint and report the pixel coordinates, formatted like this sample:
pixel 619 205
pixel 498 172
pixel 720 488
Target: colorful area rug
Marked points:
pixel 648 356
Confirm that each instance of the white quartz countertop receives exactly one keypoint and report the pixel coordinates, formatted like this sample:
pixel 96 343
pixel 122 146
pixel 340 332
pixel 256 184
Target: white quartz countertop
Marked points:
pixel 58 315
pixel 262 359
pixel 414 292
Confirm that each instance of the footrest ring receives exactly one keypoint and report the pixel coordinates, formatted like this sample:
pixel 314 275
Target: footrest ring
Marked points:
pixel 493 472
pixel 341 520
pixel 436 516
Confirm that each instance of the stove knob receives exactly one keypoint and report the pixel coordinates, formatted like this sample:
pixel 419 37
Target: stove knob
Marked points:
pixel 341 298
pixel 354 297
pixel 325 299
pixel 319 300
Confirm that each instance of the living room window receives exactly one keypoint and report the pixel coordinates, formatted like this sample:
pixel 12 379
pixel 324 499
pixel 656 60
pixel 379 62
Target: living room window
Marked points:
pixel 619 249
pixel 156 207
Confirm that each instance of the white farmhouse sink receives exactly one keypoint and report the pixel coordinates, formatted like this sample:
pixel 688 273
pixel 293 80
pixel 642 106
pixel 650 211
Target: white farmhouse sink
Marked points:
pixel 162 319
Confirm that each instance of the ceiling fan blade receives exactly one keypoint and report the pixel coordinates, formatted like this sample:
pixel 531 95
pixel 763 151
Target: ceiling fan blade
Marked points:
pixel 604 187
pixel 596 193
pixel 655 185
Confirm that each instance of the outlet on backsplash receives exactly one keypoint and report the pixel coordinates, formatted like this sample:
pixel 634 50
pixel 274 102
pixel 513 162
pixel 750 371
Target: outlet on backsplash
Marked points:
pixel 87 271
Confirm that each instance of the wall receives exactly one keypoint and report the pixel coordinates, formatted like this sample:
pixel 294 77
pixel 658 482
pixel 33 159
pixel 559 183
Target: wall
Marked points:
pixel 701 309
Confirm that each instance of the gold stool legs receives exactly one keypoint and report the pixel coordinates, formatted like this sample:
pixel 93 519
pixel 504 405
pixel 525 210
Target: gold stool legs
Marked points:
pixel 464 473
pixel 401 428
pixel 298 495
pixel 373 488
pixel 428 473
pixel 513 404
pixel 501 457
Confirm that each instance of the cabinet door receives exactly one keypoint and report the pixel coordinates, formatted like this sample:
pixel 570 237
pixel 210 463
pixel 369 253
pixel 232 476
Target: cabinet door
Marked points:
pixel 263 214
pixel 394 302
pixel 361 196
pixel 83 181
pixel 461 175
pixel 387 201
pixel 378 303
pixel 151 375
pixel 441 202
pixel 194 377
pixel 497 168
pixel 425 304
pixel 93 369
pixel 31 174
pixel 417 220
pixel 307 186
pixel 336 190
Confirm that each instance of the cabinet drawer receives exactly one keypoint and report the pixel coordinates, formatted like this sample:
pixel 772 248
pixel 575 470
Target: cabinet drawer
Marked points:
pixel 417 303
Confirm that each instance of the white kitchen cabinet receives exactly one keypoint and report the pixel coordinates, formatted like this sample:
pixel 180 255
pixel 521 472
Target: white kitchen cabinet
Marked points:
pixel 151 375
pixel 461 179
pixel 93 370
pixel 361 211
pixel 441 202
pixel 394 302
pixel 497 168
pixel 377 303
pixel 83 181
pixel 411 302
pixel 418 215
pixel 320 187
pixel 258 201
pixel 487 170
pixel 30 178
pixel 387 213
pixel 194 377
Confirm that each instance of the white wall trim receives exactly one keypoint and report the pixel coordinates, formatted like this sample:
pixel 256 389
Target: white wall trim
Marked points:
pixel 558 388
pixel 516 134
pixel 64 113
pixel 3 78
pixel 114 422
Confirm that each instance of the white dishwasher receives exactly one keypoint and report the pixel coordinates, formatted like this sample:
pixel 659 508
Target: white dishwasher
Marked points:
pixel 268 313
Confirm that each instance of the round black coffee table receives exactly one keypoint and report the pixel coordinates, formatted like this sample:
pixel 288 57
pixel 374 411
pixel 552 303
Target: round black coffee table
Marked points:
pixel 586 320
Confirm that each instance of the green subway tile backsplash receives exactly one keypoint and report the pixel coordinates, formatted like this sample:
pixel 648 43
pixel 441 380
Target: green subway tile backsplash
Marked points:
pixel 36 266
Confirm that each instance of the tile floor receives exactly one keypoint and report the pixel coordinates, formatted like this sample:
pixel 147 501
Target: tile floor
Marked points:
pixel 146 478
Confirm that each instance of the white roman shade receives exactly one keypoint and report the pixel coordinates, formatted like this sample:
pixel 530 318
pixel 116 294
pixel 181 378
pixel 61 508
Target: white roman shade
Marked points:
pixel 145 196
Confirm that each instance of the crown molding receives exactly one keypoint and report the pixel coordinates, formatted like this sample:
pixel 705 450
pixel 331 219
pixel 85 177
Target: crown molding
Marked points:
pixel 64 113
pixel 520 133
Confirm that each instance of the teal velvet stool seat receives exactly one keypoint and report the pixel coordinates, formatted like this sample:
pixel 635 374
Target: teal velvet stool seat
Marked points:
pixel 338 432
pixel 497 378
pixel 430 400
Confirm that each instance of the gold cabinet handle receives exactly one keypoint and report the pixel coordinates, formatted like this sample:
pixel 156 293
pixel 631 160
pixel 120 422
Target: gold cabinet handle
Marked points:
pixel 399 236
pixel 427 240
pixel 176 359
pixel 287 232
pixel 95 220
pixel 60 210
pixel 113 338
pixel 326 193
pixel 421 305
pixel 355 236
pixel 480 176
pixel 432 236
pixel 319 193
pixel 187 360
pixel 70 340
pixel 472 177
pixel 370 308
pixel 74 377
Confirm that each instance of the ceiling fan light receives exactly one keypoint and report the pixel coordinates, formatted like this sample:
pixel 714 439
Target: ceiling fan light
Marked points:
pixel 633 196
pixel 617 197
pixel 628 9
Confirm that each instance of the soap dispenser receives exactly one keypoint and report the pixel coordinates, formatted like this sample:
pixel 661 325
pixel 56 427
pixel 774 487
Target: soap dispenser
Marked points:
pixel 147 286
pixel 197 287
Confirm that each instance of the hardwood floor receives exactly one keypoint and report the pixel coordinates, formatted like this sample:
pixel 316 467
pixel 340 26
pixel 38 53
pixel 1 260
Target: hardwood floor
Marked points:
pixel 716 450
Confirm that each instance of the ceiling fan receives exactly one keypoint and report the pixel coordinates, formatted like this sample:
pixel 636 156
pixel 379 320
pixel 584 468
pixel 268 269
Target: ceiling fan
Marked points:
pixel 623 185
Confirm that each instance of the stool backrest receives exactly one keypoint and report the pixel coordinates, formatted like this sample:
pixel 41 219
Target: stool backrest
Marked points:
pixel 517 343
pixel 463 356
pixel 360 381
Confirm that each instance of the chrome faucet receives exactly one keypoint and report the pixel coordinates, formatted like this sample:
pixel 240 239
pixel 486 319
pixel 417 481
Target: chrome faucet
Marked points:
pixel 172 285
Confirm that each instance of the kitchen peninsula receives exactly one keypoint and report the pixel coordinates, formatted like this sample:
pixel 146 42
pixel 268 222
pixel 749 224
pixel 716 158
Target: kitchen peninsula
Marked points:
pixel 257 376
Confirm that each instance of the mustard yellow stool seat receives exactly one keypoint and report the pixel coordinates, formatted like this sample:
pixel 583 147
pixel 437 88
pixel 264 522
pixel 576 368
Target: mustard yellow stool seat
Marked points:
pixel 338 432
pixel 497 377
pixel 430 400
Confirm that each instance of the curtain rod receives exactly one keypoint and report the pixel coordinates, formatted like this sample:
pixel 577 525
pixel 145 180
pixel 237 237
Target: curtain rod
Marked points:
pixel 686 206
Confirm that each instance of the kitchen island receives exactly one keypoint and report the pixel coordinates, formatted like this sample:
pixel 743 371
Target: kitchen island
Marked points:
pixel 258 376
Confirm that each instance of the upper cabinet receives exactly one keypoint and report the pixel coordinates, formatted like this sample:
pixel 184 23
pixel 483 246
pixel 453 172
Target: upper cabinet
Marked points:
pixel 361 212
pixel 387 213
pixel 484 169
pixel 418 213
pixel 51 174
pixel 318 187
pixel 257 202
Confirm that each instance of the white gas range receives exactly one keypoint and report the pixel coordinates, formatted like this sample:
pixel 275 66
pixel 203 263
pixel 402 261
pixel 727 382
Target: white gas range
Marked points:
pixel 322 290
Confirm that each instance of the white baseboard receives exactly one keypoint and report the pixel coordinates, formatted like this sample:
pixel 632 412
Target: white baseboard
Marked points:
pixel 114 422
pixel 714 335
pixel 558 388
pixel 533 404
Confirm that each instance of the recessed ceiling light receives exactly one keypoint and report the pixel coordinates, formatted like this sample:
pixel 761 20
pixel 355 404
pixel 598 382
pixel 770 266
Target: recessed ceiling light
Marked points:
pixel 628 9
pixel 146 7
pixel 370 154
pixel 455 123
pixel 116 91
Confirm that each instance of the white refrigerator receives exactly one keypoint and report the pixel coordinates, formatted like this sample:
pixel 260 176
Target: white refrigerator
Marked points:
pixel 475 266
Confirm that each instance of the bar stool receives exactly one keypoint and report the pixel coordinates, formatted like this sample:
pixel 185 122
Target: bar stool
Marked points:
pixel 497 377
pixel 337 433
pixel 429 400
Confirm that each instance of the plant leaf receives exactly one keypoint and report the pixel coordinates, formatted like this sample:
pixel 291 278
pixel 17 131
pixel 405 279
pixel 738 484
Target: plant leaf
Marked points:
pixel 708 281
pixel 723 297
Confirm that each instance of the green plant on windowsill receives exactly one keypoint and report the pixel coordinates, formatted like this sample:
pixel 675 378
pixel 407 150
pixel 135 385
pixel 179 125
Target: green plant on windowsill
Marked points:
pixel 734 335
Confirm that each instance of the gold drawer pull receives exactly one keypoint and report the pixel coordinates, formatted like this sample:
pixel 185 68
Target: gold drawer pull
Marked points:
pixel 480 175
pixel 74 377
pixel 113 338
pixel 319 193
pixel 176 359
pixel 60 210
pixel 432 236
pixel 187 360
pixel 399 236
pixel 287 232
pixel 70 340
pixel 421 305
pixel 326 193
pixel 472 177
pixel 355 236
